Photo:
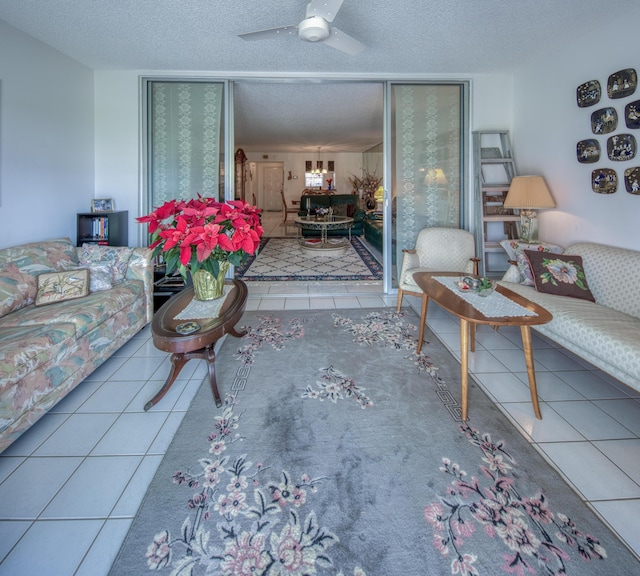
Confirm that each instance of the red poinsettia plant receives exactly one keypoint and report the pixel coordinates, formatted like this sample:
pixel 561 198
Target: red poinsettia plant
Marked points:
pixel 202 232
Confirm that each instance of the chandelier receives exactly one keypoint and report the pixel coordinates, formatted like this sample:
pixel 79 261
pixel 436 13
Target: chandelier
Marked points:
pixel 319 169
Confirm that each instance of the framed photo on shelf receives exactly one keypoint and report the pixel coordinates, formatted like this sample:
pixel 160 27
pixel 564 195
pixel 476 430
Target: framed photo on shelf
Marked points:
pixel 102 205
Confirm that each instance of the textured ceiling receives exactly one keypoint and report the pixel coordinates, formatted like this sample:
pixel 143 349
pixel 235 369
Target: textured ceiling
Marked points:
pixel 412 37
pixel 337 117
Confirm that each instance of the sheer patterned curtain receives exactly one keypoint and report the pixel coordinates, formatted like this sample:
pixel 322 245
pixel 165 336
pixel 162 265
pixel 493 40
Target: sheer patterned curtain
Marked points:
pixel 427 160
pixel 185 140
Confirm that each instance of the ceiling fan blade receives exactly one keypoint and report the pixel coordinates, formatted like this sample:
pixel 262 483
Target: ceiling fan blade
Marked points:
pixel 342 41
pixel 270 33
pixel 326 9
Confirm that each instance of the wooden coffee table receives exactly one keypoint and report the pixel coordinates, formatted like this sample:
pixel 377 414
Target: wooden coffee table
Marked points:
pixel 470 316
pixel 200 344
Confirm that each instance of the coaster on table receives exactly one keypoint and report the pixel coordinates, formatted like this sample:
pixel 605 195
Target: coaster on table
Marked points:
pixel 187 328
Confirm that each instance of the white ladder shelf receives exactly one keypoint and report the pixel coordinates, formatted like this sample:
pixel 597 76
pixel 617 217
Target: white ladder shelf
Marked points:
pixel 494 169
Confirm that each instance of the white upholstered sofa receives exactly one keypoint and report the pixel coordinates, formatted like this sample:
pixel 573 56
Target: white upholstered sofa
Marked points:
pixel 606 332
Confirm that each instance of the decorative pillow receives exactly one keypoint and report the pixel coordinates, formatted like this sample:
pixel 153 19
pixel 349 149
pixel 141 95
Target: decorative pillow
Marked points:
pixel 524 270
pixel 100 277
pixel 515 249
pixel 63 285
pixel 560 274
pixel 117 257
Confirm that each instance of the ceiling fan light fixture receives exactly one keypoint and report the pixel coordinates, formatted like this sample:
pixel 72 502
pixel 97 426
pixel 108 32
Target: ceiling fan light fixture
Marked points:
pixel 314 29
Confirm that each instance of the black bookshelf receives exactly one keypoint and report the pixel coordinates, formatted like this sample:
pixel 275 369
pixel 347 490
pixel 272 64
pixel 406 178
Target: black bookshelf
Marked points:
pixel 108 228
pixel 164 287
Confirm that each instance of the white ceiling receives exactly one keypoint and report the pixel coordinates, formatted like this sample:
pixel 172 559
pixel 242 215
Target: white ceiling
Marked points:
pixel 403 37
pixel 281 117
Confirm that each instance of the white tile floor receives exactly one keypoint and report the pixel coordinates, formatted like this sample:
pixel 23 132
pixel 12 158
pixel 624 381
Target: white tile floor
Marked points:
pixel 70 486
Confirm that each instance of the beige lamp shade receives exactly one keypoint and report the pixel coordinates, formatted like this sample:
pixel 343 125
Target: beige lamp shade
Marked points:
pixel 530 193
pixel 435 176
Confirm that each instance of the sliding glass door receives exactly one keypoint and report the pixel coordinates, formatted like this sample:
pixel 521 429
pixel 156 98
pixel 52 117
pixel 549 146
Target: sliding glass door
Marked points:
pixel 426 152
pixel 185 140
pixel 190 132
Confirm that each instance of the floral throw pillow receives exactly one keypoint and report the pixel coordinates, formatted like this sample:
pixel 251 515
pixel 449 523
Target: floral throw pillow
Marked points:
pixel 561 274
pixel 515 251
pixel 115 256
pixel 100 277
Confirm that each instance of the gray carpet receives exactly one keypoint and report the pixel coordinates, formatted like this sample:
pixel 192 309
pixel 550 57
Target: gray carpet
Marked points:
pixel 340 452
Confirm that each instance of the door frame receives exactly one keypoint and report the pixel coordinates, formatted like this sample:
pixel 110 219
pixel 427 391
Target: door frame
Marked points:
pixel 229 145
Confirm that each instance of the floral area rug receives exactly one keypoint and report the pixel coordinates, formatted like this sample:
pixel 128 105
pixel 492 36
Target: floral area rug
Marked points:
pixel 281 259
pixel 339 451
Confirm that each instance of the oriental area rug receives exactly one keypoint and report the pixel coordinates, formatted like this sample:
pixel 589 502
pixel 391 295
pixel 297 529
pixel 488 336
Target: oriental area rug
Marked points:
pixel 281 259
pixel 338 451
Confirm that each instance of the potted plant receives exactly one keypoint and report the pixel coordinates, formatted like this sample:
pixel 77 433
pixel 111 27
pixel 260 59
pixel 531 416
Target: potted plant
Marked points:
pixel 366 186
pixel 485 287
pixel 203 237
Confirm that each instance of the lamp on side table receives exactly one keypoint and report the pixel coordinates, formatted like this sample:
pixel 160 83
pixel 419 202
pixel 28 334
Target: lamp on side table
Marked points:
pixel 528 194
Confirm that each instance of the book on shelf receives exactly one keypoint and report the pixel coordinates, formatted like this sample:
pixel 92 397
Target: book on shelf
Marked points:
pixel 100 227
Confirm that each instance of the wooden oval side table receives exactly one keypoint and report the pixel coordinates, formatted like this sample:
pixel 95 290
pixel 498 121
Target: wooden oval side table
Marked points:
pixel 200 344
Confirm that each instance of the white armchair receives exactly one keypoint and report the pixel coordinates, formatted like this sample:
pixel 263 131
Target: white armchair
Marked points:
pixel 436 250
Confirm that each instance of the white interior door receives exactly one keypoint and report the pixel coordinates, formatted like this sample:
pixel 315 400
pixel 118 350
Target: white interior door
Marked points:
pixel 272 180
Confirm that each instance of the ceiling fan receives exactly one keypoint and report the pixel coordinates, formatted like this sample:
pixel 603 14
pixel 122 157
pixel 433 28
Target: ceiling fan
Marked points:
pixel 315 28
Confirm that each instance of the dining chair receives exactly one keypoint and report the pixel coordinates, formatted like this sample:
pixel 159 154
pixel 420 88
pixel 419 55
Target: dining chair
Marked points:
pixel 288 209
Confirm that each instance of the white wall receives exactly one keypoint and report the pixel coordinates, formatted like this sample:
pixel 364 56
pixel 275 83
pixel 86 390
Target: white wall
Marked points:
pixel 52 163
pixel 61 147
pixel 347 164
pixel 46 140
pixel 548 124
pixel 117 147
pixel 117 136
pixel 491 109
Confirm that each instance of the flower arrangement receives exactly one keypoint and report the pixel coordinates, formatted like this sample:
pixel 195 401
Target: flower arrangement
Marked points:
pixel 367 184
pixel 321 211
pixel 201 233
pixel 486 286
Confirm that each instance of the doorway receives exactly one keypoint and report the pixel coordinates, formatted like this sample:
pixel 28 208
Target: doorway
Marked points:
pixel 292 123
pixel 270 181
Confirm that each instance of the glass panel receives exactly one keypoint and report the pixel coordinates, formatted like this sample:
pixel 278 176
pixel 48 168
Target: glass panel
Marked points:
pixel 426 157
pixel 312 180
pixel 186 141
pixel 372 160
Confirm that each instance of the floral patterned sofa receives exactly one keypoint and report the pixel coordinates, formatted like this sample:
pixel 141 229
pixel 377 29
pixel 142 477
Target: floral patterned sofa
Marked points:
pixel 606 332
pixel 49 344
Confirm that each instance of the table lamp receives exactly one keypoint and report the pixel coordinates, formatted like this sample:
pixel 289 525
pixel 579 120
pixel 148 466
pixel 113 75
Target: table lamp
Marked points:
pixel 379 197
pixel 528 194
